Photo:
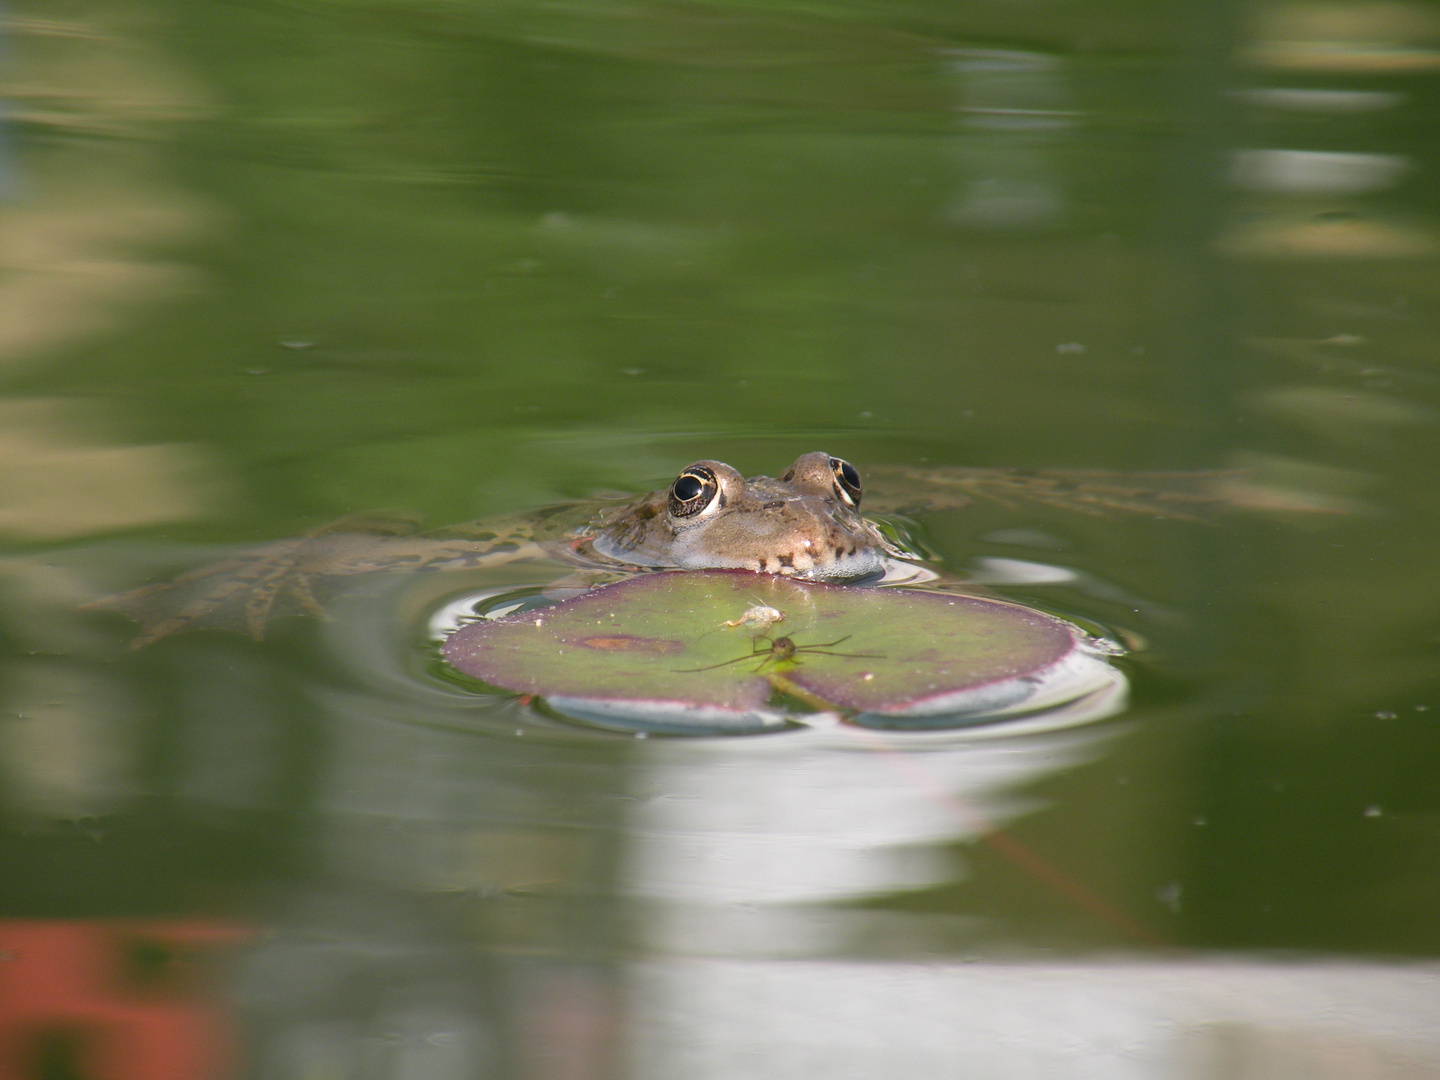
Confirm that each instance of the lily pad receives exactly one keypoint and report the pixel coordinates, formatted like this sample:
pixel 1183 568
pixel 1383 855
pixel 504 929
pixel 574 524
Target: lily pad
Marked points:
pixel 728 650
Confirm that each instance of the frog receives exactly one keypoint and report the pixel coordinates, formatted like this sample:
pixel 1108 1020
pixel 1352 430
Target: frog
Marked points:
pixel 805 523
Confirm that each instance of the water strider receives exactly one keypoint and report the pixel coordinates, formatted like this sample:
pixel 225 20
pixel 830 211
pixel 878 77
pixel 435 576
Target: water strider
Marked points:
pixel 765 650
pixel 805 523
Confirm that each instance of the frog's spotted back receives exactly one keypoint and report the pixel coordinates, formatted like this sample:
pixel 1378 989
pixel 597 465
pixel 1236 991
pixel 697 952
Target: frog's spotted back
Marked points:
pixel 805 524
pixel 1184 496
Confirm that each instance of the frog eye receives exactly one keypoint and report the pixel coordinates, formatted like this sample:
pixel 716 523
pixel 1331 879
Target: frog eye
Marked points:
pixel 847 480
pixel 693 490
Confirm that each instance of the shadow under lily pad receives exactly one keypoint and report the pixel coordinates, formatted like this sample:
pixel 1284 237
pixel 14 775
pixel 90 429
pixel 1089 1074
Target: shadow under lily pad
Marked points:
pixel 733 651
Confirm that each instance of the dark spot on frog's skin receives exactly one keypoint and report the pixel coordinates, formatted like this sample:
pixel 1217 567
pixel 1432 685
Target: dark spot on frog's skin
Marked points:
pixel 764 564
pixel 645 512
pixel 787 559
pixel 778 504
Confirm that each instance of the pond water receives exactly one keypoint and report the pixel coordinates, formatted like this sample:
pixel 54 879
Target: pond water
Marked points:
pixel 269 263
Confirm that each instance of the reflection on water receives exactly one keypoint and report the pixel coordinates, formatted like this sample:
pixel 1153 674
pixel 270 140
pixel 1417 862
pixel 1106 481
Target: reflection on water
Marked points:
pixel 115 998
pixel 88 233
pixel 266 265
pixel 755 847
pixel 1194 1020
pixel 1322 36
pixel 1014 111
pixel 90 228
pixel 64 482
pixel 1317 203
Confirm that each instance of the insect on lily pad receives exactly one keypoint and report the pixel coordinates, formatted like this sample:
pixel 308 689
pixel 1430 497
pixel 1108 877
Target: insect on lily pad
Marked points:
pixel 672 652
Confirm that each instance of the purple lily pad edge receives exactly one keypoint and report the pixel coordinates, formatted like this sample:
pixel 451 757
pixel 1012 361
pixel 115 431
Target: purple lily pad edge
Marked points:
pixel 1081 687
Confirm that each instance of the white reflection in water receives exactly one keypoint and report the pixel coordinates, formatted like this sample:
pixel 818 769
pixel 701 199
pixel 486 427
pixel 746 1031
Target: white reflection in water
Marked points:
pixel 1179 1020
pixel 1328 101
pixel 1317 172
pixel 1015 112
pixel 736 842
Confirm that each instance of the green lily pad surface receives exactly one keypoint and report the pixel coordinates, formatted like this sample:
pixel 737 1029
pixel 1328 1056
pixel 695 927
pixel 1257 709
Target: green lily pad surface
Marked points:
pixel 727 650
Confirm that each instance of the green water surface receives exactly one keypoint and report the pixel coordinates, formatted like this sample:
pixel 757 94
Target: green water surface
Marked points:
pixel 264 264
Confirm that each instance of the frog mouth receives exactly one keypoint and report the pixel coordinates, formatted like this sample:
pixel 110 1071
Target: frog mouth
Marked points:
pixel 854 564
pixel 860 567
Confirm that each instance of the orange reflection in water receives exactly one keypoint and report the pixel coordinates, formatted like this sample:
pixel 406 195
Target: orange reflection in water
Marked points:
pixel 114 1000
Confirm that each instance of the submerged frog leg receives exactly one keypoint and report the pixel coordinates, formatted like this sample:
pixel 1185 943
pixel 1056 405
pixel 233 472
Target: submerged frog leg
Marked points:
pixel 204 596
pixel 247 591
pixel 261 601
pixel 1184 496
pixel 304 596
